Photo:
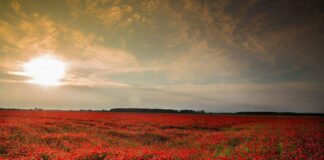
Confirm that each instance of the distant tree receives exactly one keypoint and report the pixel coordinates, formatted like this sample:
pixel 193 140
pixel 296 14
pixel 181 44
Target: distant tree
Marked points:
pixel 153 110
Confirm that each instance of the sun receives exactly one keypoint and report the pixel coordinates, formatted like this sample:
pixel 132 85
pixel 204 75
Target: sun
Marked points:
pixel 45 70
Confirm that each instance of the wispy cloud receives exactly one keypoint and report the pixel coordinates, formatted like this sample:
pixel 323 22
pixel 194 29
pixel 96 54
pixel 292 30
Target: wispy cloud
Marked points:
pixel 208 53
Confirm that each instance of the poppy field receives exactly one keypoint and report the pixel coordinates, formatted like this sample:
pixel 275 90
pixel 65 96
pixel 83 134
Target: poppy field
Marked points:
pixel 46 135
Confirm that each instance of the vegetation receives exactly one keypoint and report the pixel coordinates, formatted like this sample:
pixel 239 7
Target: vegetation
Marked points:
pixel 51 135
pixel 185 111
pixel 153 110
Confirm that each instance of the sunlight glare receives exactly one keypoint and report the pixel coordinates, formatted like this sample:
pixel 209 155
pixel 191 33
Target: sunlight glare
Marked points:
pixel 45 70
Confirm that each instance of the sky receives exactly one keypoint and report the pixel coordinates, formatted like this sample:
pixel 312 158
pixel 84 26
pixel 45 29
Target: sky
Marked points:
pixel 217 55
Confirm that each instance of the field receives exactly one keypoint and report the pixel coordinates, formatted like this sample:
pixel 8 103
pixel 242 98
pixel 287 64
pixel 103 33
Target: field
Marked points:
pixel 105 135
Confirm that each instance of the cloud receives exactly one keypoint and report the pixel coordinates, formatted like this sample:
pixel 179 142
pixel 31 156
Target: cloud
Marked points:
pixel 214 97
pixel 240 97
pixel 89 63
pixel 24 37
pixel 94 65
pixel 194 53
pixel 202 63
pixel 236 40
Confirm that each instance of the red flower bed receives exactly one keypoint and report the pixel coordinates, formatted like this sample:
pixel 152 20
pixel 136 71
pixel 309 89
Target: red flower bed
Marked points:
pixel 104 135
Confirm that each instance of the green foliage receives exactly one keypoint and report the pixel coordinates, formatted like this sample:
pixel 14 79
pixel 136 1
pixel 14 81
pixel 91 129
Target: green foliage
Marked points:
pixel 3 150
pixel 218 150
pixel 118 134
pixel 234 142
pixel 44 157
pixel 280 148
pixel 151 138
pixel 96 156
pixel 227 152
pixel 148 156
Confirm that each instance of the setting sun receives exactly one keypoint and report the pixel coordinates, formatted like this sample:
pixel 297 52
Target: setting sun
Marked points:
pixel 45 70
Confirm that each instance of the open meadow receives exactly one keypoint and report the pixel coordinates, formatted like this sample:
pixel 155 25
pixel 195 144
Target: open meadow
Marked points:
pixel 105 135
